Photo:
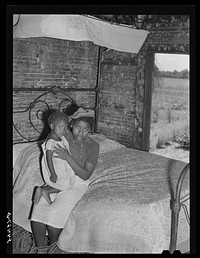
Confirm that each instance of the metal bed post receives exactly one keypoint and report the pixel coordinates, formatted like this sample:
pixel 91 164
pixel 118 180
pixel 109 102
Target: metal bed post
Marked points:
pixel 175 207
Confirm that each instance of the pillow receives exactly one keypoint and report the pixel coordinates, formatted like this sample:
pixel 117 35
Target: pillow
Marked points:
pixel 18 147
pixel 105 144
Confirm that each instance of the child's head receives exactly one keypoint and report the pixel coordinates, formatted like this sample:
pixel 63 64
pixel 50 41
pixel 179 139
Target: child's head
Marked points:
pixel 58 122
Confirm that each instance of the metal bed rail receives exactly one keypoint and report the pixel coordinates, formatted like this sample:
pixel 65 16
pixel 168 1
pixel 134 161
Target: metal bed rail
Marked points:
pixel 176 205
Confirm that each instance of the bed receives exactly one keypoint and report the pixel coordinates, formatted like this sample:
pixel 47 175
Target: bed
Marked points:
pixel 136 202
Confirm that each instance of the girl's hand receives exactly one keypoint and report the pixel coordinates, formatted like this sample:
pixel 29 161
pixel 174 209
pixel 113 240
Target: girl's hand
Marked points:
pixel 53 178
pixel 60 152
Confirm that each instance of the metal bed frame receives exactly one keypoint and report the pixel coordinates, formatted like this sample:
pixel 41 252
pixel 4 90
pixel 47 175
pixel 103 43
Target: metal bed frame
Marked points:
pixel 176 202
pixel 176 205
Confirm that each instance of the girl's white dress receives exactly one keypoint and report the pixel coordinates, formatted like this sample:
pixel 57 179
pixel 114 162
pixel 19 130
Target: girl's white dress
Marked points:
pixel 64 172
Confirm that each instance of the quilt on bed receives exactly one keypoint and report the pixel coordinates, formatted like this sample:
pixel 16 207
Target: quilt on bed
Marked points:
pixel 126 207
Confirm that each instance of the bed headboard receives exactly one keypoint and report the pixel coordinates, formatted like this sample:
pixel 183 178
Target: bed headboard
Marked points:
pixel 31 124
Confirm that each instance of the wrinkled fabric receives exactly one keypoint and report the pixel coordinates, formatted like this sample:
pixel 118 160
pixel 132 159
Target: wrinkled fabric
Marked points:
pixel 22 240
pixel 27 171
pixel 57 213
pixel 126 208
pixel 22 243
pixel 81 28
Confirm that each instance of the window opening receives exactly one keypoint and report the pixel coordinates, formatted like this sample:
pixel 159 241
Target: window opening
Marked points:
pixel 169 131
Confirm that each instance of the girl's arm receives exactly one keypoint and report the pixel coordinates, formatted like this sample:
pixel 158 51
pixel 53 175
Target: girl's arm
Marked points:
pixel 83 172
pixel 53 176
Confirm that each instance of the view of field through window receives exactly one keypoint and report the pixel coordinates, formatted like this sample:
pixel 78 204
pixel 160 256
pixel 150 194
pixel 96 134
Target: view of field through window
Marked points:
pixel 169 133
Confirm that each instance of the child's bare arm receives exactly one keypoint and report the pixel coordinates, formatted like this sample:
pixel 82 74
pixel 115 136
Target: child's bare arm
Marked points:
pixel 53 176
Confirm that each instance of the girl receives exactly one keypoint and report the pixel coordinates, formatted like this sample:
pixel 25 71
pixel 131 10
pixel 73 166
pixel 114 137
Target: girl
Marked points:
pixel 57 174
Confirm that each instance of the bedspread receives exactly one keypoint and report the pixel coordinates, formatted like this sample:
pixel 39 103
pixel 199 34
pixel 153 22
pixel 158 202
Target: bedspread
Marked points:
pixel 126 207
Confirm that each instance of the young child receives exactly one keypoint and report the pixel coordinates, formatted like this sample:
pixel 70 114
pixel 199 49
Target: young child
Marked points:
pixel 57 173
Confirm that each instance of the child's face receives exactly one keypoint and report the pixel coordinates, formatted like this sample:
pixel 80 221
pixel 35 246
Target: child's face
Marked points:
pixel 59 127
pixel 80 130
